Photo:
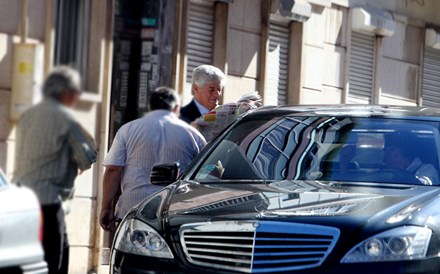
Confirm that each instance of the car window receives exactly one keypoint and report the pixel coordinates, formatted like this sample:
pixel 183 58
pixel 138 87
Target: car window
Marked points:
pixel 3 181
pixel 327 148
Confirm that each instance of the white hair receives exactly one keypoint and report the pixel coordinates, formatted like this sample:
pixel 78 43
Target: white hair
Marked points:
pixel 204 73
pixel 60 80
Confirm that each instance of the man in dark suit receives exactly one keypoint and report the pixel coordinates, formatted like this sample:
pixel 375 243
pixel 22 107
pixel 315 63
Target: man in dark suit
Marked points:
pixel 208 83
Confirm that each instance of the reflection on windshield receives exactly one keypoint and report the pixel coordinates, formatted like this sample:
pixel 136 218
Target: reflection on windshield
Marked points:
pixel 286 198
pixel 327 149
pixel 310 198
pixel 2 179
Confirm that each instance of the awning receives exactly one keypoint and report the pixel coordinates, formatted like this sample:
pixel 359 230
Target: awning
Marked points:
pixel 373 21
pixel 292 10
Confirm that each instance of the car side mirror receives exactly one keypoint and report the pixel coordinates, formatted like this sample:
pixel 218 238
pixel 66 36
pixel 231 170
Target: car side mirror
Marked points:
pixel 165 174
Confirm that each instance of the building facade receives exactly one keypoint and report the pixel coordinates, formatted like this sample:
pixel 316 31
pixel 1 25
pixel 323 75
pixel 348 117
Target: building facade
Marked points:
pixel 292 52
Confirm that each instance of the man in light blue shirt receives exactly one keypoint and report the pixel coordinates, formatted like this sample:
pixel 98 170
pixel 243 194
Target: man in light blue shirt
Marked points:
pixel 158 137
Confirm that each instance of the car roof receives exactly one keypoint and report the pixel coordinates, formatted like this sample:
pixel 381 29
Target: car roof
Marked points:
pixel 346 109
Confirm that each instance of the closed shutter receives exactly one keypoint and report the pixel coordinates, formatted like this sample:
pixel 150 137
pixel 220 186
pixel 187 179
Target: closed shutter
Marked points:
pixel 361 71
pixel 277 66
pixel 199 39
pixel 431 78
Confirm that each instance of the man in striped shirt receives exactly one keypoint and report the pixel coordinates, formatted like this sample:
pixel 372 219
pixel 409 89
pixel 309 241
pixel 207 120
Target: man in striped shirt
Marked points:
pixel 51 148
pixel 157 138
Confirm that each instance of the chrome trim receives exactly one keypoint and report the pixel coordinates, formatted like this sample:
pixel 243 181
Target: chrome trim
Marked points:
pixel 257 246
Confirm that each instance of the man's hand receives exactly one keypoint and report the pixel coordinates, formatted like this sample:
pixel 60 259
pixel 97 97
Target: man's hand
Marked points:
pixel 107 220
pixel 110 194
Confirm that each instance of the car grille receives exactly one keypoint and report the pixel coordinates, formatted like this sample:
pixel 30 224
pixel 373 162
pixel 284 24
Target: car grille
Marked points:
pixel 257 247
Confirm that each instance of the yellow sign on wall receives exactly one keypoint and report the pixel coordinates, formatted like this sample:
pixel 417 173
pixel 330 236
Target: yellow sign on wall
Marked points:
pixel 27 76
pixel 25 67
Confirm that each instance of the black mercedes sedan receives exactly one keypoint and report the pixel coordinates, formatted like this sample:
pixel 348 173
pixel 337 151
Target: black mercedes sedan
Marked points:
pixel 299 189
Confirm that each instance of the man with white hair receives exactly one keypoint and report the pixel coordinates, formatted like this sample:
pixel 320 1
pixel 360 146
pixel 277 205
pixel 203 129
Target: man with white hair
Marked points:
pixel 207 87
pixel 51 148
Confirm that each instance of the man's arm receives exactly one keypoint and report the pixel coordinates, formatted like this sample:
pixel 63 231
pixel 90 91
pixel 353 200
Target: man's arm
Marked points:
pixel 110 192
pixel 83 146
pixel 427 174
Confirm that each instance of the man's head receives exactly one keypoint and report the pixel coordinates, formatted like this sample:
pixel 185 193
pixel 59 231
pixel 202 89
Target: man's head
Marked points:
pixel 164 98
pixel 398 149
pixel 207 85
pixel 64 85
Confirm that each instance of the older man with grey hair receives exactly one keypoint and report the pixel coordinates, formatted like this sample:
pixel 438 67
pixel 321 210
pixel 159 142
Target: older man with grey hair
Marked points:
pixel 208 83
pixel 51 148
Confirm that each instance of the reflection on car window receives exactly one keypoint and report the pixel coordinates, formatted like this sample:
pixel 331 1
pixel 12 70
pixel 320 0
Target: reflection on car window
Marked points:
pixel 228 161
pixel 326 148
pixel 2 179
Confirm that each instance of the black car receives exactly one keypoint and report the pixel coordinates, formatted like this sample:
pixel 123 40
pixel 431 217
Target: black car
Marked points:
pixel 305 189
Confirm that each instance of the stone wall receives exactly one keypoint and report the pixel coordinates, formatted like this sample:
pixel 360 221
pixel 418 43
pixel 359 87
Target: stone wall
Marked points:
pixel 243 48
pixel 10 12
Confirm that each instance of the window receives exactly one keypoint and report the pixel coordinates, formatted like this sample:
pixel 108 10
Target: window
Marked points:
pixel 3 181
pixel 278 67
pixel 72 33
pixel 361 71
pixel 199 40
pixel 353 149
pixel 431 78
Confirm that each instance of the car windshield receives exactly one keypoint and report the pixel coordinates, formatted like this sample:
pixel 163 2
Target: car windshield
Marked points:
pixel 2 179
pixel 350 149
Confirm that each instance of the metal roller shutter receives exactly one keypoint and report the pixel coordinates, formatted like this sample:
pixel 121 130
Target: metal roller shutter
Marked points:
pixel 277 66
pixel 200 36
pixel 431 78
pixel 361 71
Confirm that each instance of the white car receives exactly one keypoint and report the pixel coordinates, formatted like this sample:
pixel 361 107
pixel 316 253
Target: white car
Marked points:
pixel 21 232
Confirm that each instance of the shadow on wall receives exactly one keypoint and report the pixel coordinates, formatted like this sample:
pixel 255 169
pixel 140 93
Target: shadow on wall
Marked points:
pixel 27 69
pixel 10 12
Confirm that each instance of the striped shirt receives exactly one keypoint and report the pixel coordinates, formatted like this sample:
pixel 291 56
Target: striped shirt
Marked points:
pixel 50 148
pixel 157 138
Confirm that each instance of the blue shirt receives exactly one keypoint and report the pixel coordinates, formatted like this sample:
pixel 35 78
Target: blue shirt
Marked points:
pixel 201 108
pixel 157 138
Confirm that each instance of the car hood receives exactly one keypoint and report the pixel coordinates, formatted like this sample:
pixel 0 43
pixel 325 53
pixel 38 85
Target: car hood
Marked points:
pixel 20 227
pixel 302 201
pixel 15 198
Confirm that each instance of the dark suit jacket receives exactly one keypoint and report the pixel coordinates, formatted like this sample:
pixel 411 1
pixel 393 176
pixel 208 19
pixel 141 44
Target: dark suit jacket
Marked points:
pixel 190 112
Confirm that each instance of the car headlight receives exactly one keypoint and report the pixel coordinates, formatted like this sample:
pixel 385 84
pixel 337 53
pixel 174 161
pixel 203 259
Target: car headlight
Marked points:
pixel 136 237
pixel 398 244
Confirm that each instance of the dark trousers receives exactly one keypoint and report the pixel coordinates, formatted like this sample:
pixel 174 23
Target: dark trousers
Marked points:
pixel 55 242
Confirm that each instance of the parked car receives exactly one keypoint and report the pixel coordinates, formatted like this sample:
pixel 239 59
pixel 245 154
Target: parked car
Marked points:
pixel 20 230
pixel 305 189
